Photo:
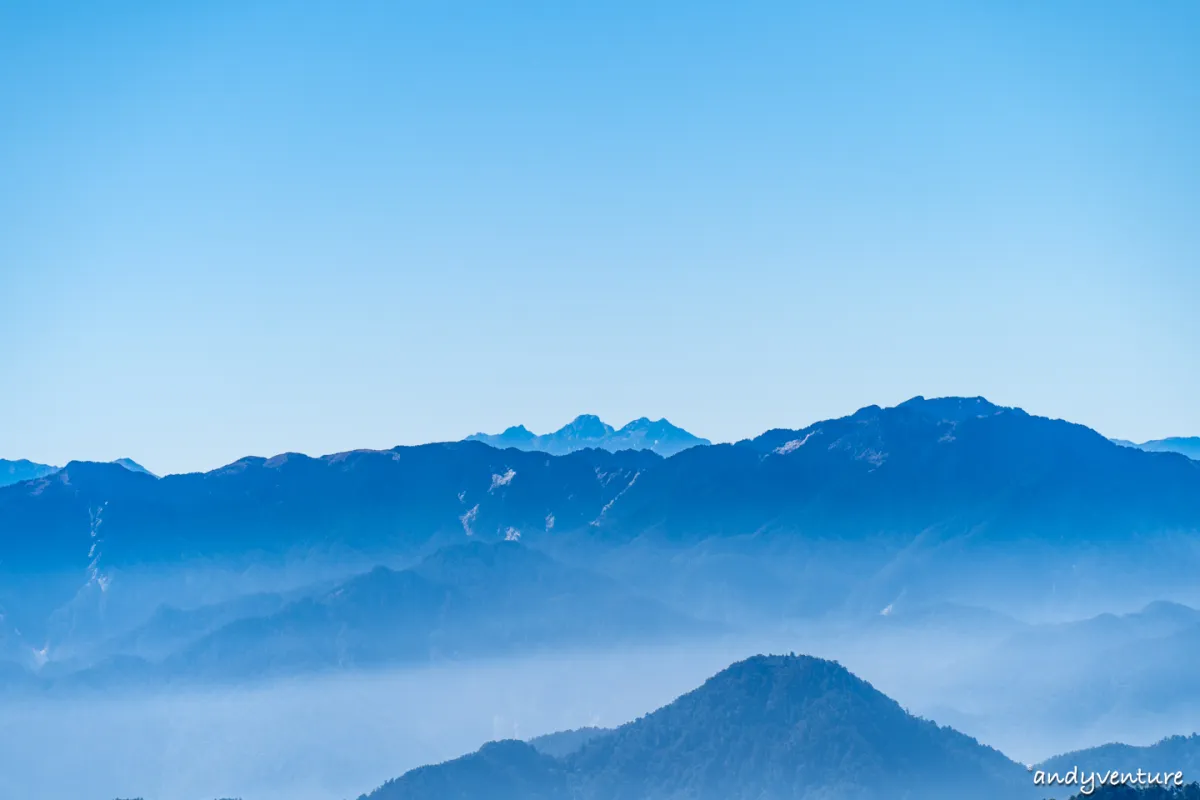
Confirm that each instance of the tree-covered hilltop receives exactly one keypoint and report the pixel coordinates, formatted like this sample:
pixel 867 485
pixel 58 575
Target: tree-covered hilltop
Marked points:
pixel 767 727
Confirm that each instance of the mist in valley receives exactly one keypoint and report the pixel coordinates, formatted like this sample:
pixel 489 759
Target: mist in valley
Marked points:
pixel 336 736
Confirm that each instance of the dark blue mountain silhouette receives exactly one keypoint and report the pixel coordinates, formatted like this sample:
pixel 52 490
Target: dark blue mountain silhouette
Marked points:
pixel 947 499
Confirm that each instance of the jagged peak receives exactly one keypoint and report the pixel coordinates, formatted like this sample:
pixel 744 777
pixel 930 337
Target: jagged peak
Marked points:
pixel 515 429
pixel 952 407
pixel 589 430
pixel 588 426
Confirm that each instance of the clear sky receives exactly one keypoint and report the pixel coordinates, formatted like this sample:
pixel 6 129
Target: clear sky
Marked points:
pixel 252 227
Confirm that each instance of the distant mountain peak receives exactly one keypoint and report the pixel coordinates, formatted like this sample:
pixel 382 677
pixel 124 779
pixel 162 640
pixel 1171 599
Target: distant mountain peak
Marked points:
pixel 133 466
pixel 951 408
pixel 22 470
pixel 1184 445
pixel 797 679
pixel 587 426
pixel 588 430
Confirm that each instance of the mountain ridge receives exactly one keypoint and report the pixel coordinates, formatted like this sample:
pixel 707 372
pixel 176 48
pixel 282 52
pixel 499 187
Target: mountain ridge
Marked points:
pixel 859 510
pixel 588 430
pixel 1184 445
pixel 474 599
pixel 21 470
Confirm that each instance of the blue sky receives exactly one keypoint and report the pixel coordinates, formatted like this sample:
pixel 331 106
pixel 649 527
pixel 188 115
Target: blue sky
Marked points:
pixel 253 227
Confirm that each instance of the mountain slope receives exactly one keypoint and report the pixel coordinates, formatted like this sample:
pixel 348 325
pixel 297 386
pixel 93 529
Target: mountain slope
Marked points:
pixel 767 727
pixel 468 600
pixel 914 500
pixel 1137 665
pixel 588 430
pixel 504 770
pixel 1186 445
pixel 292 501
pixel 101 523
pixel 22 470
pixel 168 628
pixel 563 743
pixel 133 466
pixel 919 463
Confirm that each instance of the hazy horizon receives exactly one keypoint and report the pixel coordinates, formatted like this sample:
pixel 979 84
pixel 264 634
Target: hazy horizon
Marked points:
pixel 209 467
pixel 238 229
pixel 271 740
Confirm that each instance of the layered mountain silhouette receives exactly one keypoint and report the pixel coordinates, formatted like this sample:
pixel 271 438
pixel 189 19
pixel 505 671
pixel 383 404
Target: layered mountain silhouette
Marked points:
pixel 1156 620
pixel 169 629
pixel 768 727
pixel 133 466
pixel 1185 445
pixel 951 499
pixel 1172 754
pixel 22 470
pixel 468 600
pixel 475 599
pixel 1084 672
pixel 102 525
pixel 588 430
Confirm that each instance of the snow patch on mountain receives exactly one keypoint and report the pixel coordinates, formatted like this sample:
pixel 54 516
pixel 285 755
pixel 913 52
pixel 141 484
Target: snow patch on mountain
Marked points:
pixel 794 444
pixel 502 480
pixel 610 503
pixel 468 519
pixel 95 577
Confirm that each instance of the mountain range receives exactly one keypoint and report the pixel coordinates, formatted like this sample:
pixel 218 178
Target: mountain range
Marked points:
pixel 23 470
pixel 1186 445
pixel 951 499
pixel 475 599
pixel 588 430
pixel 1057 563
pixel 1088 673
